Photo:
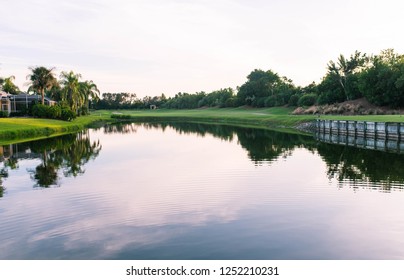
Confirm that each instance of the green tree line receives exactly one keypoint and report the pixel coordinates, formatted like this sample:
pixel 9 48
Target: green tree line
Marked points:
pixel 378 78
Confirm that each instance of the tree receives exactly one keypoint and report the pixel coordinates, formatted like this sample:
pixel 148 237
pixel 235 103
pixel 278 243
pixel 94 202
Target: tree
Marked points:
pixel 265 88
pixel 345 70
pixel 382 83
pixel 260 84
pixel 41 79
pixel 89 91
pixel 330 91
pixel 8 86
pixel 71 90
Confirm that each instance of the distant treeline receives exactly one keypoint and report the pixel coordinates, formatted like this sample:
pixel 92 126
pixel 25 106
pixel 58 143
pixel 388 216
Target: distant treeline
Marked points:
pixel 378 78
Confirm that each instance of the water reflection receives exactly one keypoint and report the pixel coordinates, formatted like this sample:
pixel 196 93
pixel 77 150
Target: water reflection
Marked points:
pixel 68 154
pixel 121 128
pixel 261 145
pixel 362 167
pixel 3 174
pixel 196 191
pixel 348 165
pixel 351 166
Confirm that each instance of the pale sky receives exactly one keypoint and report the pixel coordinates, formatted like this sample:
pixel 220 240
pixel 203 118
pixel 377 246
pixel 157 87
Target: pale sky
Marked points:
pixel 156 46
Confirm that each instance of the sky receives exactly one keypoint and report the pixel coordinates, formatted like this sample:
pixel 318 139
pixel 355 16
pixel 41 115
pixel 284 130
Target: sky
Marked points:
pixel 156 46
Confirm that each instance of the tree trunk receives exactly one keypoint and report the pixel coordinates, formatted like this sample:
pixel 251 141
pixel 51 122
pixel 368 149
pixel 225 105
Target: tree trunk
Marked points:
pixel 43 96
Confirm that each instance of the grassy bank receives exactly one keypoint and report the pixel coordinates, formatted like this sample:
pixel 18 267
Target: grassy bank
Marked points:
pixel 23 129
pixel 268 117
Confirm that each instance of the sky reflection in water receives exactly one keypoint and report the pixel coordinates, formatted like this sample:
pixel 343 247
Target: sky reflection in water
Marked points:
pixel 192 191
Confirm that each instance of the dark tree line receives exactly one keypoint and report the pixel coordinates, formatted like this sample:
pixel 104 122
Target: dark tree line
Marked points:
pixel 378 78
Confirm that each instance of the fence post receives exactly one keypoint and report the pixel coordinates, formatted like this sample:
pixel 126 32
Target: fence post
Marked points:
pixel 375 131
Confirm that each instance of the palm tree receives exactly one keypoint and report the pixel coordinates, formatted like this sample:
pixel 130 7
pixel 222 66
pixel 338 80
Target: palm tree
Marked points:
pixel 71 89
pixel 8 85
pixel 41 79
pixel 346 67
pixel 89 91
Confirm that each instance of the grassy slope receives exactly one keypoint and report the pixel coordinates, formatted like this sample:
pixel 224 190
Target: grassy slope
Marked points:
pixel 23 129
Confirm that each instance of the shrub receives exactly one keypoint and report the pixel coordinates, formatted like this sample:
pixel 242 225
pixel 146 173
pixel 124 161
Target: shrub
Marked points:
pixel 307 99
pixel 82 111
pixel 17 114
pixel 53 112
pixel 231 102
pixel 67 114
pixel 39 111
pixel 270 101
pixel 293 100
pixel 3 114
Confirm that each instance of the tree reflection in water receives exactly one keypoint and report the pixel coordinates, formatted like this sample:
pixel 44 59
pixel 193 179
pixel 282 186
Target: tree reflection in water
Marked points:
pixel 3 174
pixel 355 167
pixel 350 166
pixel 68 153
pixel 263 146
pixel 360 167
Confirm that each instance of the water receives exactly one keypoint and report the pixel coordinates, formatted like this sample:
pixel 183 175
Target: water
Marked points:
pixel 194 191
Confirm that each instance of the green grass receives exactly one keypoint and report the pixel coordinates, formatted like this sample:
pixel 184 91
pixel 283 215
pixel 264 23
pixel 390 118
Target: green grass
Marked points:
pixel 24 129
pixel 267 117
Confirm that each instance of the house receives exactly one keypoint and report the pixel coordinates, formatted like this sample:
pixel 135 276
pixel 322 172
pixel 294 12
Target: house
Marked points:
pixel 20 102
pixel 5 103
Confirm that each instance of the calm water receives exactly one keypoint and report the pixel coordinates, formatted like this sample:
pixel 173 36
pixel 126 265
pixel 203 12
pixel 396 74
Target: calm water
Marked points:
pixel 193 191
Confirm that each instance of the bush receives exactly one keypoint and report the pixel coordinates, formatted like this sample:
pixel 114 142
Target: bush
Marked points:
pixel 18 114
pixel 67 114
pixel 53 112
pixel 307 99
pixel 259 102
pixel 330 97
pixel 231 102
pixel 3 114
pixel 293 100
pixel 39 111
pixel 270 101
pixel 82 111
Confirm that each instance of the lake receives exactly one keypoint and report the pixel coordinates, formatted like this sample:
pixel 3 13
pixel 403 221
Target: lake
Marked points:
pixel 198 191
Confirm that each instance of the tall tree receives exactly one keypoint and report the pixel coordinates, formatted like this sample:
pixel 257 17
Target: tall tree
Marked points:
pixel 260 84
pixel 345 70
pixel 41 79
pixel 71 89
pixel 89 91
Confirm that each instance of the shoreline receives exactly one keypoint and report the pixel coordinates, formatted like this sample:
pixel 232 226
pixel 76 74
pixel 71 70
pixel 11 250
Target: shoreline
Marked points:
pixel 15 130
